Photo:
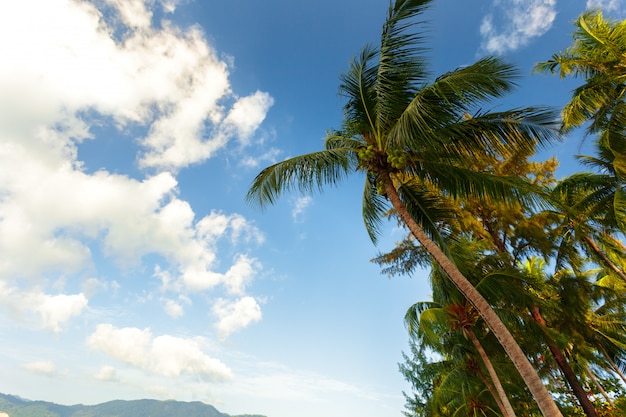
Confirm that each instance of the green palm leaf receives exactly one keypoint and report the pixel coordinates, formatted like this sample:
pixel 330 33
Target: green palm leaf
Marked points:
pixel 306 173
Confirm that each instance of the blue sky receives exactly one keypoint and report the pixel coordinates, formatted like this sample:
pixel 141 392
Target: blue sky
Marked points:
pixel 130 265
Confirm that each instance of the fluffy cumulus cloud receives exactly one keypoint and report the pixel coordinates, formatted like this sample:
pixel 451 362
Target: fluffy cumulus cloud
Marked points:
pixel 234 316
pixel 70 67
pixel 514 23
pixel 164 355
pixel 169 80
pixel 51 311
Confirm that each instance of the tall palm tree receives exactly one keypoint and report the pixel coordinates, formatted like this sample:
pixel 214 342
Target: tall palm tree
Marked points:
pixel 428 322
pixel 403 133
pixel 535 268
pixel 592 211
pixel 598 55
pixel 450 328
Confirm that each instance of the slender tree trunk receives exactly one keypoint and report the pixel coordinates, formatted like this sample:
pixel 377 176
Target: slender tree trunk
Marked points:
pixel 599 387
pixel 493 392
pixel 500 245
pixel 605 258
pixel 492 373
pixel 612 364
pixel 539 392
pixel 568 372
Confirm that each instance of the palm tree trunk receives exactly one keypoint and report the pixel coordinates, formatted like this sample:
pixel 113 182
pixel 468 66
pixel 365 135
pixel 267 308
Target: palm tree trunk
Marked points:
pixel 539 392
pixel 503 399
pixel 493 392
pixel 599 387
pixel 568 372
pixel 612 364
pixel 605 258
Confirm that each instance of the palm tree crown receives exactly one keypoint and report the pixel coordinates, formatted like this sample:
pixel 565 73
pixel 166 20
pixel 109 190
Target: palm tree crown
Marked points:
pixel 411 136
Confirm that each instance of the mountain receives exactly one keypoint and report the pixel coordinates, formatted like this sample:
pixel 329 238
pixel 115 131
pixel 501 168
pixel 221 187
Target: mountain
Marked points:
pixel 15 406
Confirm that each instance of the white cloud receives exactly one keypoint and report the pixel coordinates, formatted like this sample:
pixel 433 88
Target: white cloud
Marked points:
pixel 65 66
pixel 248 113
pixel 270 156
pixel 133 12
pixel 106 373
pixel 515 22
pixel 58 309
pixel 45 368
pixel 169 80
pixel 234 316
pixel 174 309
pixel 607 5
pixel 44 223
pixel 162 355
pixel 299 206
pixel 52 311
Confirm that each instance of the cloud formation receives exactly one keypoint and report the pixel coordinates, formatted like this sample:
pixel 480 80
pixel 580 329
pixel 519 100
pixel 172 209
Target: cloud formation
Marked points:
pixel 233 316
pixel 163 355
pixel 168 80
pixel 44 368
pixel 51 311
pixel 106 373
pixel 299 206
pixel 607 5
pixel 70 68
pixel 514 23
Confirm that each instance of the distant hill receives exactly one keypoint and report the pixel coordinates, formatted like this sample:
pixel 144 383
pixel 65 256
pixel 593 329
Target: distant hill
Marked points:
pixel 18 407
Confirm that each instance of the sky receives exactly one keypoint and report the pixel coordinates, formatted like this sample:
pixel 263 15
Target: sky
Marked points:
pixel 130 264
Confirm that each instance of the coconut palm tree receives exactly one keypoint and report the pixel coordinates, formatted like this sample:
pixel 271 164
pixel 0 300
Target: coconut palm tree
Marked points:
pixel 592 212
pixel 450 328
pixel 404 132
pixel 598 55
pixel 430 322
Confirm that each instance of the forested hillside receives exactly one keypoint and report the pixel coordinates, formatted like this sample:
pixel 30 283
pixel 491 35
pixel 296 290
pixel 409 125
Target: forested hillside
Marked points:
pixel 18 407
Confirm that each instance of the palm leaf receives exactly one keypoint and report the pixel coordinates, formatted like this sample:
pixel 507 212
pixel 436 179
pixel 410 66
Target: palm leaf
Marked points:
pixel 401 66
pixel 358 87
pixel 426 208
pixel 374 207
pixel 306 173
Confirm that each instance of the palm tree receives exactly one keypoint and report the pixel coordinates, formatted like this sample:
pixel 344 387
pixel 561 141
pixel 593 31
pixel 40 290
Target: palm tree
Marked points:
pixel 405 133
pixel 598 54
pixel 592 212
pixel 427 322
pixel 450 328
pixel 535 268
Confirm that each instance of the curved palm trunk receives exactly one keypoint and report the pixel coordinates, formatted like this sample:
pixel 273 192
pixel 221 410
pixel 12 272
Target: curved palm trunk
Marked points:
pixel 568 372
pixel 612 364
pixel 539 392
pixel 599 387
pixel 605 258
pixel 493 392
pixel 501 395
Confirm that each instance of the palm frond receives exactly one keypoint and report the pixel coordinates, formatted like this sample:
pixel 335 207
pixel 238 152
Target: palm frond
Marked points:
pixel 426 208
pixel 306 173
pixel 453 179
pixel 357 85
pixel 439 115
pixel 374 207
pixel 402 65
pixel 499 132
